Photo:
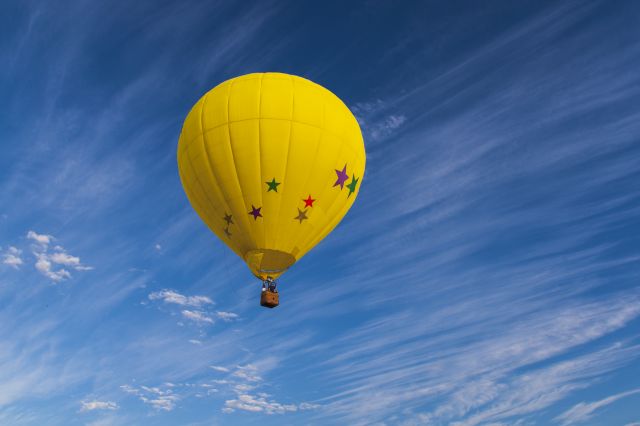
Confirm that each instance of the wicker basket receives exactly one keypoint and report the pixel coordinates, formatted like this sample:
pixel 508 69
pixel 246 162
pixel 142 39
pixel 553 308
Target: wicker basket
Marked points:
pixel 269 299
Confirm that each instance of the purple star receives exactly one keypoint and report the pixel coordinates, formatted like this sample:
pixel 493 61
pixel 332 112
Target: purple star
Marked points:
pixel 342 177
pixel 255 212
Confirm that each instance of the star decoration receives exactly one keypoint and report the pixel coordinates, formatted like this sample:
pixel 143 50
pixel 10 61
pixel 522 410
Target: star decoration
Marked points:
pixel 309 202
pixel 352 185
pixel 302 215
pixel 228 218
pixel 342 177
pixel 255 212
pixel 273 185
pixel 226 231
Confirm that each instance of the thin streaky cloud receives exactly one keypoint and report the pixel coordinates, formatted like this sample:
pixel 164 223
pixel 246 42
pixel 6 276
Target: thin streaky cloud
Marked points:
pixel 584 411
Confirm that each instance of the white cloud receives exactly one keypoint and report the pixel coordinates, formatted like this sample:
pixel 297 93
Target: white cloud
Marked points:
pixel 42 239
pixel 158 247
pixel 197 316
pixel 171 296
pixel 157 397
pixel 98 405
pixel 165 402
pixel 584 411
pixel 226 316
pixel 62 258
pixel 195 342
pixel 45 268
pixel 261 404
pixel 12 257
pixel 252 403
pixel 153 389
pixel 244 380
pixel 130 389
pixel 247 372
pixel 243 387
pixel 12 260
pixel 46 261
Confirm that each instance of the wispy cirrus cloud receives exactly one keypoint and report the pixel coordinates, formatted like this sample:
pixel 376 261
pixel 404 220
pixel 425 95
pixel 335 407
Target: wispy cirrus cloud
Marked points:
pixel 511 268
pixel 377 119
pixel 584 411
pixel 475 382
pixel 220 368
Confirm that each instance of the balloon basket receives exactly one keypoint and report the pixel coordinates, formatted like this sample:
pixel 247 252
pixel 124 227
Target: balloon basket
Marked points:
pixel 269 299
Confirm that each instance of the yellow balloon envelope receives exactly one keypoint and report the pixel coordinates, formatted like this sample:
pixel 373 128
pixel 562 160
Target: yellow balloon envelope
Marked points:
pixel 271 163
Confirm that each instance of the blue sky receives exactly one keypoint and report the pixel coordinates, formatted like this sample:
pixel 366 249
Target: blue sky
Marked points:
pixel 487 274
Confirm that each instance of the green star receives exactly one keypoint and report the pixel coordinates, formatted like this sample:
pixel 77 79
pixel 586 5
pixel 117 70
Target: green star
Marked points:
pixel 352 185
pixel 228 219
pixel 302 215
pixel 273 185
pixel 226 231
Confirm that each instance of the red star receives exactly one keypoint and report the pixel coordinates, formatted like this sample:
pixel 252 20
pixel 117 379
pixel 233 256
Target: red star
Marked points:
pixel 309 202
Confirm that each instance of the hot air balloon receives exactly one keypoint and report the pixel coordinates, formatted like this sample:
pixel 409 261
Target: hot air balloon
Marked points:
pixel 271 163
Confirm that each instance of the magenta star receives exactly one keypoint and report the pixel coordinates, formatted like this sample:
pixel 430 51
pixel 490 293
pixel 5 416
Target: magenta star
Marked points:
pixel 342 177
pixel 255 212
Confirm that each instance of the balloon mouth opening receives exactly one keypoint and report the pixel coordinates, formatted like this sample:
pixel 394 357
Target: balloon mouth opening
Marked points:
pixel 268 263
